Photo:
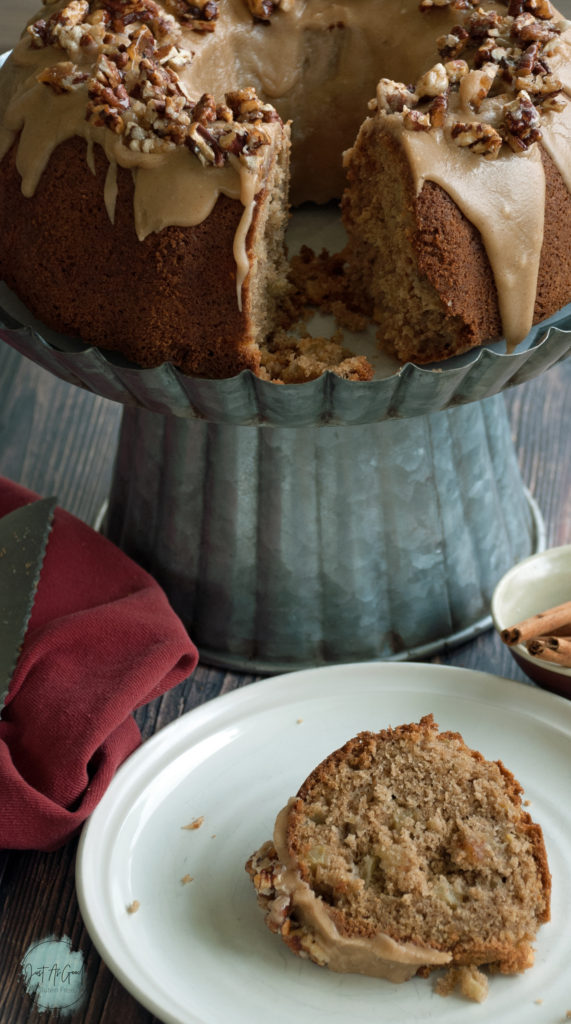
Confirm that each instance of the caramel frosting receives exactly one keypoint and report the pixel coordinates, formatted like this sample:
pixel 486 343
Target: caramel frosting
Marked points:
pixel 378 956
pixel 315 61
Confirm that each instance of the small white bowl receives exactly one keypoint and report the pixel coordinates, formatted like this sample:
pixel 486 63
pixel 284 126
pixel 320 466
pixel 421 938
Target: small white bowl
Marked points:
pixel 539 582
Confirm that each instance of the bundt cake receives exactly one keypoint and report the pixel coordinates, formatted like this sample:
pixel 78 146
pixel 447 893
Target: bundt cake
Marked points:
pixel 405 851
pixel 145 169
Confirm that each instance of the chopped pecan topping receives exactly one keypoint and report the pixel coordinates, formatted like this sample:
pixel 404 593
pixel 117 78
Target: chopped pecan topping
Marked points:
pixel 262 10
pixel 433 83
pixel 248 108
pixel 205 109
pixel 452 44
pixel 82 27
pixel 62 77
pixel 123 13
pixel 531 61
pixel 70 29
pixel 491 52
pixel 416 121
pixel 477 85
pixel 528 29
pixel 457 5
pixel 437 110
pixel 200 16
pixel 542 9
pixel 393 97
pixel 482 24
pixel 133 84
pixel 456 69
pixel 478 137
pixel 489 56
pixel 521 126
pixel 539 85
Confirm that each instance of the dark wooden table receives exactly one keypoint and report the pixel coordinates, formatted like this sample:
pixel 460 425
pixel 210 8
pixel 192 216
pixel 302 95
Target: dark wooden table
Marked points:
pixel 58 439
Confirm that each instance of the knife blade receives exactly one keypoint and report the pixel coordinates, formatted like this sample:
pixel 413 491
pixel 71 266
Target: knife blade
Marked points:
pixel 24 535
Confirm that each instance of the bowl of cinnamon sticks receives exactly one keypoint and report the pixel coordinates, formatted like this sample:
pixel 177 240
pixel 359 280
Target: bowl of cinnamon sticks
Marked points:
pixel 531 610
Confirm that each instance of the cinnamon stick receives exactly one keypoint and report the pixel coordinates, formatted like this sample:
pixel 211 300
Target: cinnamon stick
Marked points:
pixel 543 624
pixel 555 649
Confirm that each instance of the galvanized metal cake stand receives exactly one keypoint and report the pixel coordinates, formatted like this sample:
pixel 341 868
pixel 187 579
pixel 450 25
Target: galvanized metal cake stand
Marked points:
pixel 309 524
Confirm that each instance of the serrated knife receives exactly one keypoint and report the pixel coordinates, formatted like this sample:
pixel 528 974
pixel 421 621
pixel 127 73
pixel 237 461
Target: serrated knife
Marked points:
pixel 24 534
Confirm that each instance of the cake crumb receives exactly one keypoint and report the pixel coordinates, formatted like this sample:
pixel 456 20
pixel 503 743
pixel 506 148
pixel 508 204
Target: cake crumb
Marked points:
pixel 287 360
pixel 538 1002
pixel 133 907
pixel 471 982
pixel 298 721
pixel 186 879
pixel 194 824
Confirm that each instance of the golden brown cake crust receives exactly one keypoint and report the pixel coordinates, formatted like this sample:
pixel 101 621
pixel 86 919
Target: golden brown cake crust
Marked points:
pixel 170 297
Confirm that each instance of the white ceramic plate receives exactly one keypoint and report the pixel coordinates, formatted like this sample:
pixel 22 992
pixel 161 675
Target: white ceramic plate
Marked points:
pixel 200 952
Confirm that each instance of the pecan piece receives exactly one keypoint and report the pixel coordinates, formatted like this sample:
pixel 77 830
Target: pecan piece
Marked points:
pixel 39 34
pixel 62 77
pixel 479 137
pixel 482 23
pixel 475 86
pixel 539 85
pixel 199 16
pixel 393 97
pixel 205 109
pixel 416 121
pixel 104 116
pixel 433 82
pixel 491 52
pixel 262 10
pixel 528 29
pixel 542 9
pixel 437 110
pixel 200 141
pixel 456 69
pixel 521 125
pixel 457 5
pixel 248 108
pixel 453 43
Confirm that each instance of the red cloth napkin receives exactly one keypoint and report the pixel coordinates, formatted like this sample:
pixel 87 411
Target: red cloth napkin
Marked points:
pixel 102 640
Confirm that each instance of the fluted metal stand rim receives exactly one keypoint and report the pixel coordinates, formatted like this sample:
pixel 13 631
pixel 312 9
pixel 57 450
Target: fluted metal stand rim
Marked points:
pixel 245 400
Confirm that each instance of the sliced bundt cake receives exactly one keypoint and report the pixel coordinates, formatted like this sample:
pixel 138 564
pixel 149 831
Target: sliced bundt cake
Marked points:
pixel 403 851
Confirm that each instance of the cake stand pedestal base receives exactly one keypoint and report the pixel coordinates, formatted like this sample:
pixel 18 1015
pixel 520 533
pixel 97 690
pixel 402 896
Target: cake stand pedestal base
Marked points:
pixel 284 548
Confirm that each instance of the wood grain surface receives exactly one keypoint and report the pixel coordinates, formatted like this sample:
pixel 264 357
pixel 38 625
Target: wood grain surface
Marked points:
pixel 58 439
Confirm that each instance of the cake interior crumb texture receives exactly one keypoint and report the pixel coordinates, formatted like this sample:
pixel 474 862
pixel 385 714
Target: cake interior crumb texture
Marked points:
pixel 414 830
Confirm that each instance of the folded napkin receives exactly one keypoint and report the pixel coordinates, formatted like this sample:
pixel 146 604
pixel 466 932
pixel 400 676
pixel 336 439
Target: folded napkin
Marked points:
pixel 102 640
